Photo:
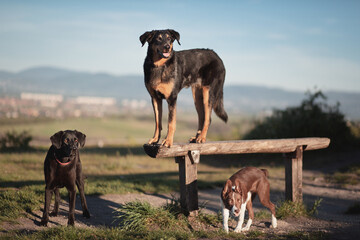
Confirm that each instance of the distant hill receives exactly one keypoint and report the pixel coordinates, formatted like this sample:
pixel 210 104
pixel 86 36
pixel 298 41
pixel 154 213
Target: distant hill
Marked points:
pixel 245 99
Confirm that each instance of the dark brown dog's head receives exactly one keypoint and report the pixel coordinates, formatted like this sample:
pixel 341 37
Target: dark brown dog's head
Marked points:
pixel 160 42
pixel 68 141
pixel 233 196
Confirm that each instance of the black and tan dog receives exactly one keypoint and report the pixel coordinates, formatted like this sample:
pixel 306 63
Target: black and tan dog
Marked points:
pixel 167 72
pixel 62 168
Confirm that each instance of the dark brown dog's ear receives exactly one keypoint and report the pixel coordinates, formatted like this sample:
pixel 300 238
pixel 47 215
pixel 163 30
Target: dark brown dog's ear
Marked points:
pixel 146 37
pixel 81 138
pixel 175 35
pixel 226 190
pixel 56 139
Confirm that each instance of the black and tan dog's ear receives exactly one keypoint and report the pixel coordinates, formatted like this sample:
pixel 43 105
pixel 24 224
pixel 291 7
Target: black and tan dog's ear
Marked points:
pixel 226 190
pixel 81 138
pixel 146 37
pixel 175 35
pixel 56 139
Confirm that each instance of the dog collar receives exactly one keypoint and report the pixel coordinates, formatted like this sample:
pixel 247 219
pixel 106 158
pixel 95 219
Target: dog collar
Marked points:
pixel 61 163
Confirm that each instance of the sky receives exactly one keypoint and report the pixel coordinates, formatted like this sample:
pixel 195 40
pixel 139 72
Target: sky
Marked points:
pixel 293 45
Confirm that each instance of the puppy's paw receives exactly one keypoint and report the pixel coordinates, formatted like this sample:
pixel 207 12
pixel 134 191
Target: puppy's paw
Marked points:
pixel 237 230
pixel 245 229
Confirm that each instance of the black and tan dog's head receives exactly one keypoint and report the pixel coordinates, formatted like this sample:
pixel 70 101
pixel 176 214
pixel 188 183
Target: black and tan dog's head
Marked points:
pixel 233 196
pixel 160 42
pixel 68 141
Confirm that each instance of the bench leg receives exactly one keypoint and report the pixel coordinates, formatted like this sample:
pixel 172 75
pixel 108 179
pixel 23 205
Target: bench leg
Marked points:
pixel 188 185
pixel 293 175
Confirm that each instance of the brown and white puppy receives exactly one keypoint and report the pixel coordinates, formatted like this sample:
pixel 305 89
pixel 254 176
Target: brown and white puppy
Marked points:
pixel 239 192
pixel 62 168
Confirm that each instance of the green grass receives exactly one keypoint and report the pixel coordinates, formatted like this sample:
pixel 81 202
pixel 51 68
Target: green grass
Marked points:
pixel 14 203
pixel 287 209
pixel 140 220
pixel 349 175
pixel 112 171
pixel 129 130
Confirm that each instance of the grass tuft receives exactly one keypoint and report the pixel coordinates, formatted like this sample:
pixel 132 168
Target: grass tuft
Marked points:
pixel 296 209
pixel 139 216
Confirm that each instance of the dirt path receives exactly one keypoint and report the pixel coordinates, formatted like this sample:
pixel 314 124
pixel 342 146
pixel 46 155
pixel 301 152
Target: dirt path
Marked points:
pixel 330 218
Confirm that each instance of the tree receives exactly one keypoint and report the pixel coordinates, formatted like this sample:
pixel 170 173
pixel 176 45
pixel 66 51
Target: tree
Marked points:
pixel 313 118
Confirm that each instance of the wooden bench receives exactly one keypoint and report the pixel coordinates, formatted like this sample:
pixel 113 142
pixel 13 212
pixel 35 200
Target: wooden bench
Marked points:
pixel 188 156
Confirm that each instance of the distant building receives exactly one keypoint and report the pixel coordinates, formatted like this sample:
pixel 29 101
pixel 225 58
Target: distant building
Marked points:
pixel 105 101
pixel 42 97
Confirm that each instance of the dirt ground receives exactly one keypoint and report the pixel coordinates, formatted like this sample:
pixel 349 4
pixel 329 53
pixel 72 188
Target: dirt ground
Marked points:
pixel 330 218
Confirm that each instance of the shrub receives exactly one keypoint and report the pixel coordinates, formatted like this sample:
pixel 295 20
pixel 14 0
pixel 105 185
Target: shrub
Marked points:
pixel 313 118
pixel 12 140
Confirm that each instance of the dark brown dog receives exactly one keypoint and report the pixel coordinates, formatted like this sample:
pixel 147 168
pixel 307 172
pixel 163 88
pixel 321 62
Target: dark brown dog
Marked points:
pixel 239 192
pixel 62 168
pixel 167 72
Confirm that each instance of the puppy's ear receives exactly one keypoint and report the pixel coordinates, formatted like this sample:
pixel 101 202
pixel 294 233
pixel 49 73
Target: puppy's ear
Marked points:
pixel 56 139
pixel 175 35
pixel 237 187
pixel 81 138
pixel 146 37
pixel 226 190
pixel 240 189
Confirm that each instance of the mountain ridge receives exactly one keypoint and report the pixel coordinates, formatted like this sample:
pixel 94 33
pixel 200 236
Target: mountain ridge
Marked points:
pixel 249 99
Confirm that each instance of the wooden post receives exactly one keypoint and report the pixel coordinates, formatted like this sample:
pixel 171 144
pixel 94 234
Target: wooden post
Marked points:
pixel 188 182
pixel 293 175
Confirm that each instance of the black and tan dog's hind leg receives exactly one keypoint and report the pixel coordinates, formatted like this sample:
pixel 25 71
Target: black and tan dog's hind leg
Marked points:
pixel 203 107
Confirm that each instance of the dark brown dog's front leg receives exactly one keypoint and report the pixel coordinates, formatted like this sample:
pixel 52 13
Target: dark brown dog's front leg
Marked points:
pixel 80 186
pixel 55 211
pixel 45 217
pixel 157 106
pixel 72 198
pixel 168 142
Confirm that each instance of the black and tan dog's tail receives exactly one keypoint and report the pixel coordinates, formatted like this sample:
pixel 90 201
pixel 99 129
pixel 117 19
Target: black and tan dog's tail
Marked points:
pixel 219 109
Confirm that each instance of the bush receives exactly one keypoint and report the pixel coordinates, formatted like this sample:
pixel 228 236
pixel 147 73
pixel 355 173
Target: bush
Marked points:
pixel 313 118
pixel 12 140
